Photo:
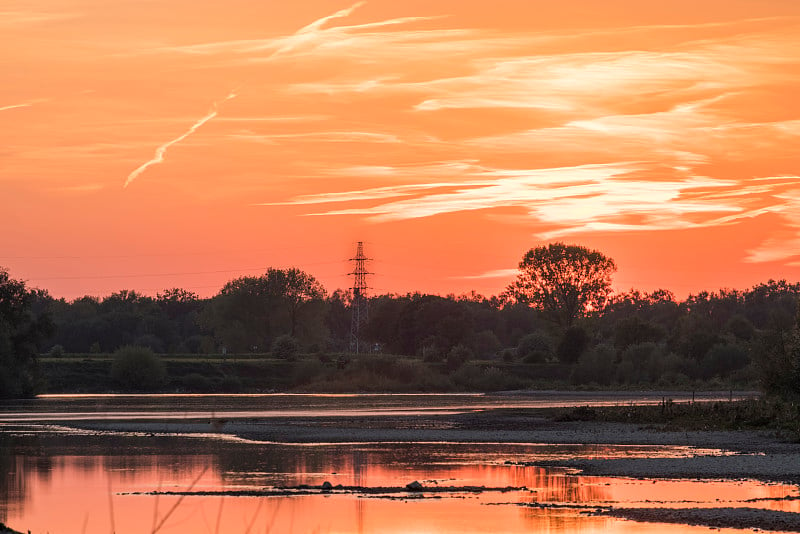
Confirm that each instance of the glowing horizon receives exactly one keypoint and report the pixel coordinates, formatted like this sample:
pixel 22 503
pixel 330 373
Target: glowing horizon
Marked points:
pixel 448 136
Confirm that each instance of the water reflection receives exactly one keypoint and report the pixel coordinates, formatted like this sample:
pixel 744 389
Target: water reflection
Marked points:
pixel 279 405
pixel 57 481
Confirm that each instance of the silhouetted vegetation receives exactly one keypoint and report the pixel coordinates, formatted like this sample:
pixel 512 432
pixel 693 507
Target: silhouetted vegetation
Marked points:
pixel 23 327
pixel 771 413
pixel 283 331
pixel 137 369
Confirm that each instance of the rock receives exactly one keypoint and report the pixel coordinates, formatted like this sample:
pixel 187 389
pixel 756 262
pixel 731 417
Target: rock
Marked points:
pixel 414 486
pixel 327 486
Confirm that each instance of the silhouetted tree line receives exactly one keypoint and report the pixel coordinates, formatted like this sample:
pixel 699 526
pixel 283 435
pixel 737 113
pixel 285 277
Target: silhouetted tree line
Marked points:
pixel 604 338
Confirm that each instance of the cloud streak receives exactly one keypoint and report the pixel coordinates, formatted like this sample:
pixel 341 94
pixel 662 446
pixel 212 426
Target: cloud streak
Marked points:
pixel 598 197
pixel 22 105
pixel 161 151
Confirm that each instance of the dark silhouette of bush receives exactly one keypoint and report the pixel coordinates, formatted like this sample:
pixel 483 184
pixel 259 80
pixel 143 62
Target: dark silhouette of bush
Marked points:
pixel 595 366
pixel 740 327
pixel 137 369
pixel 575 341
pixel 457 357
pixel 722 359
pixel 285 347
pixel 535 348
pixel 197 383
pixel 632 330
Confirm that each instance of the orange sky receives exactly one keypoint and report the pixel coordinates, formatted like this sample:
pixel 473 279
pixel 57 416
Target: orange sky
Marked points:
pixel 147 145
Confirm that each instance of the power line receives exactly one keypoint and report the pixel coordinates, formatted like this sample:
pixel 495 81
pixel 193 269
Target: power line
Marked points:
pixel 181 273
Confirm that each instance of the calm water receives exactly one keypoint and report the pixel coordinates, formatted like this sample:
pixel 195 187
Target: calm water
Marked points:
pixel 188 406
pixel 58 479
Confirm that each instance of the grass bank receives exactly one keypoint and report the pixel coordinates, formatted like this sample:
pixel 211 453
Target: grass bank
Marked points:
pixel 335 373
pixel 763 413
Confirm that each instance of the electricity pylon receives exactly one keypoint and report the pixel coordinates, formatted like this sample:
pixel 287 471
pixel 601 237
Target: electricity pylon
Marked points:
pixel 359 303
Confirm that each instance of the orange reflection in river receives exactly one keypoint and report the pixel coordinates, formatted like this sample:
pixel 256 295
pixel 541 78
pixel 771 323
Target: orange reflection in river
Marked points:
pixel 76 493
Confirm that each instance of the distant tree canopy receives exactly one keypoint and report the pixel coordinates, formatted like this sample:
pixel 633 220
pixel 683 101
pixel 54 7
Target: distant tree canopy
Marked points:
pixel 21 331
pixel 563 280
pixel 251 311
pixel 533 330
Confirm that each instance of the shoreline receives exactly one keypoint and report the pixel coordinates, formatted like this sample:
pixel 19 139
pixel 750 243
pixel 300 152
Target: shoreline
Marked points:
pixel 756 454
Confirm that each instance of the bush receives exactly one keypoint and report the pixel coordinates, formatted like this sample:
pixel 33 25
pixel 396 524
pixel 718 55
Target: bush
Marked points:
pixel 57 351
pixel 572 345
pixel 485 344
pixel 535 348
pixel 740 327
pixel 722 359
pixel 137 369
pixel 430 349
pixel 457 356
pixel 151 342
pixel 285 347
pixel 197 383
pixel 508 355
pixel 596 365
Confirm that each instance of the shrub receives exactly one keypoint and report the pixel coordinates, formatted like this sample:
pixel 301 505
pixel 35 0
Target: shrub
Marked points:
pixel 285 347
pixel 430 349
pixel 197 383
pixel 485 344
pixel 508 355
pixel 137 369
pixel 596 365
pixel 572 345
pixel 740 327
pixel 151 342
pixel 457 356
pixel 722 359
pixel 57 351
pixel 535 348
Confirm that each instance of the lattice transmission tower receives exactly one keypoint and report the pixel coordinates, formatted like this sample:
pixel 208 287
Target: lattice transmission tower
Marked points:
pixel 359 304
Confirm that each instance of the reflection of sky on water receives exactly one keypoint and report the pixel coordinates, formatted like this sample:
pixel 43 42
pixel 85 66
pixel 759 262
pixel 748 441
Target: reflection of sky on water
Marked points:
pixel 191 406
pixel 61 481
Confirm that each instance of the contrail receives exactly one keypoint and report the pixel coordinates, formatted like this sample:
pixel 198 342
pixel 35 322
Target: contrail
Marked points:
pixel 162 150
pixel 305 34
pixel 23 105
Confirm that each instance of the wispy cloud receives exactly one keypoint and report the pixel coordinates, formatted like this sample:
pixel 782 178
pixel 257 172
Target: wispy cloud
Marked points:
pixel 784 244
pixel 314 38
pixel 331 137
pixel 496 273
pixel 27 18
pixel 605 197
pixel 161 151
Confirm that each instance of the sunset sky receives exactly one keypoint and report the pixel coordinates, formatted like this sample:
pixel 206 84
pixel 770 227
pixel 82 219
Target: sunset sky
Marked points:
pixel 182 143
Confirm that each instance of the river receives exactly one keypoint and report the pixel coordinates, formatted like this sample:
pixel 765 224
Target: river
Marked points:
pixel 61 478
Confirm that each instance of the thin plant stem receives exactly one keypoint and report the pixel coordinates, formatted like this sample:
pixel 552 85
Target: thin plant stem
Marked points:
pixel 179 501
pixel 219 514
